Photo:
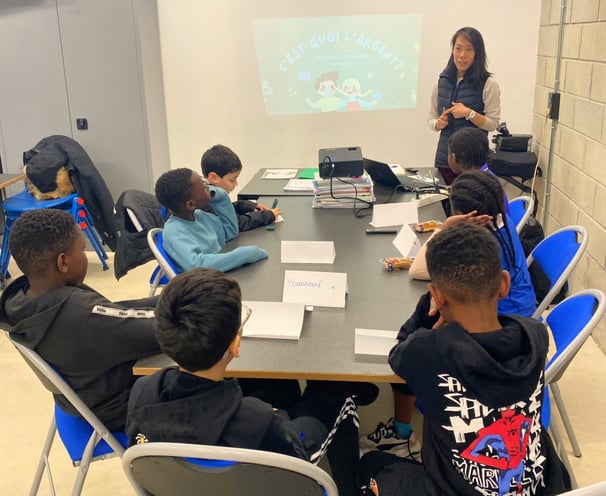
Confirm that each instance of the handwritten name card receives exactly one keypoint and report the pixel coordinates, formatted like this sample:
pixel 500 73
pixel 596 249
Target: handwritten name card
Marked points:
pixel 321 289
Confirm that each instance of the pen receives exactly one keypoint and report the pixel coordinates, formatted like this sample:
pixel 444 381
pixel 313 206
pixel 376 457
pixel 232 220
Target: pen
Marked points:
pixel 381 231
pixel 275 203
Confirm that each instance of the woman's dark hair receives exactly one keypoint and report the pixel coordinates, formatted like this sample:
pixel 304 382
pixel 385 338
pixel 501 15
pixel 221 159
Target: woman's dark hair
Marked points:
pixel 478 72
pixel 481 191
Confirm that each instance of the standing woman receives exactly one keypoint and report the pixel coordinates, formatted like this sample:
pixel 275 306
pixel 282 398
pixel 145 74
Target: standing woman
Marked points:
pixel 465 95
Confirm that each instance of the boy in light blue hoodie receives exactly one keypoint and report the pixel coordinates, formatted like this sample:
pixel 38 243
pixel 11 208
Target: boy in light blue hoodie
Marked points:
pixel 193 237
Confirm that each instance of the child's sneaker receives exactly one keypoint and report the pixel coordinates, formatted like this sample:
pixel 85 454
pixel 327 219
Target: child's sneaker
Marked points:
pixel 386 438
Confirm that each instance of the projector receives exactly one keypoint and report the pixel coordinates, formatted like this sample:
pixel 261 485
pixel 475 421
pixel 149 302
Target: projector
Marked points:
pixel 340 162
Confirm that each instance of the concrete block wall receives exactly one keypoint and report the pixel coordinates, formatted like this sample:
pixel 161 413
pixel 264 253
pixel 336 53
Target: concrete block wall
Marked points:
pixel 578 194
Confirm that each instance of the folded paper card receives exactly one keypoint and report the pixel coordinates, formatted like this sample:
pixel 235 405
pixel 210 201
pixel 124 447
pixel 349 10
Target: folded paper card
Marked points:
pixel 407 242
pixel 395 214
pixel 274 320
pixel 322 289
pixel 308 252
pixel 374 345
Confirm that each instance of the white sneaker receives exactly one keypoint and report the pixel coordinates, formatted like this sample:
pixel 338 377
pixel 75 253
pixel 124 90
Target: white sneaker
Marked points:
pixel 386 438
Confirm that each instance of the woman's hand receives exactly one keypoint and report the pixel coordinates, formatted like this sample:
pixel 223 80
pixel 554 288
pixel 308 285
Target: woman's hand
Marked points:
pixel 458 110
pixel 442 121
pixel 471 218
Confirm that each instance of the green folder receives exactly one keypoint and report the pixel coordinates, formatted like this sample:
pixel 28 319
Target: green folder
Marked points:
pixel 307 173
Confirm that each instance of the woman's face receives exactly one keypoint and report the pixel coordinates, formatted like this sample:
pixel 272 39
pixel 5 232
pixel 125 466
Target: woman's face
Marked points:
pixel 463 54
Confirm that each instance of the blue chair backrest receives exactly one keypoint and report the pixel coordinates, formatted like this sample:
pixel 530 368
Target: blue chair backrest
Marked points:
pixel 568 318
pixel 160 245
pixel 517 209
pixel 555 252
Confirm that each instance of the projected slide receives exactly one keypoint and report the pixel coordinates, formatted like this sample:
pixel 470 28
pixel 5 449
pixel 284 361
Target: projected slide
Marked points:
pixel 338 64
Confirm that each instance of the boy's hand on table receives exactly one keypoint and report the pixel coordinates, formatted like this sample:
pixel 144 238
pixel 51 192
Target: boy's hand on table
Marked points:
pixel 260 206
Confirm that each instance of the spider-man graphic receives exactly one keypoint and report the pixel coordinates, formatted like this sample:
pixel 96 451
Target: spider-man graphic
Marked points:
pixel 502 445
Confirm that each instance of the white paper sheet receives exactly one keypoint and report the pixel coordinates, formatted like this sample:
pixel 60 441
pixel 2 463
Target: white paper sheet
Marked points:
pixel 321 289
pixel 299 185
pixel 374 345
pixel 308 252
pixel 279 173
pixel 395 214
pixel 274 320
pixel 407 242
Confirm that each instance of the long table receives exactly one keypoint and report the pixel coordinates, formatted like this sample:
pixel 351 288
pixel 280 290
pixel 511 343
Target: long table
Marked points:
pixel 376 299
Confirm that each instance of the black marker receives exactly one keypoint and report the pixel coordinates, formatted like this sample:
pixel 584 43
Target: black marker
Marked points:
pixel 381 231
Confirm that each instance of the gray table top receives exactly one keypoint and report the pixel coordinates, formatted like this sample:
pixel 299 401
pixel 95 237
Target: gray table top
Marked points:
pixel 377 299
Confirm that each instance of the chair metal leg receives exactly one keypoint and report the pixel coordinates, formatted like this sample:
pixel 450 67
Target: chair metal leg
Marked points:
pixel 97 246
pixel 43 462
pixel 561 451
pixel 555 391
pixel 87 457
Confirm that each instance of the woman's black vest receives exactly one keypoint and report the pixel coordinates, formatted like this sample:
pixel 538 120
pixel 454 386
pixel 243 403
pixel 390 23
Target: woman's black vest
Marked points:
pixel 449 91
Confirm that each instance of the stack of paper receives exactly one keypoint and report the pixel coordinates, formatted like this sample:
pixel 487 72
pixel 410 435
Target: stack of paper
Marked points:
pixel 344 191
pixel 274 320
pixel 374 345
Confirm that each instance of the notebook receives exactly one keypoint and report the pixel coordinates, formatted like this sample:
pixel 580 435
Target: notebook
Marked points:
pixel 394 175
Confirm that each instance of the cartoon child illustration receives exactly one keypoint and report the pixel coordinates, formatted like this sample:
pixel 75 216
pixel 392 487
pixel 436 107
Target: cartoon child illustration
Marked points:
pixel 326 87
pixel 352 90
pixel 502 445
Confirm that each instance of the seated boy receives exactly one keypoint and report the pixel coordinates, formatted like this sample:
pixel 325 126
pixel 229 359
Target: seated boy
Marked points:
pixel 199 322
pixel 478 380
pixel 194 237
pixel 92 342
pixel 221 167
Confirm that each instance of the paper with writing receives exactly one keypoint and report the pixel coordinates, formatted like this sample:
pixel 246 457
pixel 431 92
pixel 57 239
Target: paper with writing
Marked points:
pixel 321 289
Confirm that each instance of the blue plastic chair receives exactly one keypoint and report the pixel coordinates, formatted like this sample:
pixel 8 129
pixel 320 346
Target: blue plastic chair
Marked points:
pixel 571 322
pixel 165 469
pixel 557 255
pixel 22 202
pixel 520 209
pixel 166 269
pixel 86 439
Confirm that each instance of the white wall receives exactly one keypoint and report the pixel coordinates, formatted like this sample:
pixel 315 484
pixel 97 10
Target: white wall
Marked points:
pixel 211 81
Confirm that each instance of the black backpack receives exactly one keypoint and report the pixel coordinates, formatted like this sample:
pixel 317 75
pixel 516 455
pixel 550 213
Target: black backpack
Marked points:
pixel 531 235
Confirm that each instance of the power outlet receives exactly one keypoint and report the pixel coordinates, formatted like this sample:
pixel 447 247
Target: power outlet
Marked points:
pixel 553 106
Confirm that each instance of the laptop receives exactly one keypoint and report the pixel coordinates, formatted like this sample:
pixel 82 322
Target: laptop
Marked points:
pixel 395 175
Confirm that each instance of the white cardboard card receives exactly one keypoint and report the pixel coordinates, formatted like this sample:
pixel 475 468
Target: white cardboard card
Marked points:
pixel 322 289
pixel 274 319
pixel 407 242
pixel 373 344
pixel 395 214
pixel 308 252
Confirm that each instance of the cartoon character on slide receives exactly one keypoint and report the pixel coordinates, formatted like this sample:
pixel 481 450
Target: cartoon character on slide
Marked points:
pixel 507 438
pixel 326 87
pixel 353 91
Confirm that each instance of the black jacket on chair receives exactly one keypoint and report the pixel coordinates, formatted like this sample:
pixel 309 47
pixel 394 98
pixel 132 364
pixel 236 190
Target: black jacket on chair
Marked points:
pixel 132 249
pixel 53 152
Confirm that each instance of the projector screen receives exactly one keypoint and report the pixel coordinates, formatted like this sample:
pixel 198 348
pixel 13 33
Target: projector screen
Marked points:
pixel 276 80
pixel 338 64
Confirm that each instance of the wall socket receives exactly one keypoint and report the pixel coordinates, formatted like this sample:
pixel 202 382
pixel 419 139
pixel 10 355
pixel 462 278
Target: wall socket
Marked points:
pixel 553 106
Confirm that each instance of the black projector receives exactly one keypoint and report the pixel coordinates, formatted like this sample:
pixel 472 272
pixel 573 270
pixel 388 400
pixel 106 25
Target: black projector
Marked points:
pixel 340 162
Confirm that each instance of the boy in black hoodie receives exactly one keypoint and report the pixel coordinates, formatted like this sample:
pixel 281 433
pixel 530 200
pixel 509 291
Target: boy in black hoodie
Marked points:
pixel 478 380
pixel 91 341
pixel 199 320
